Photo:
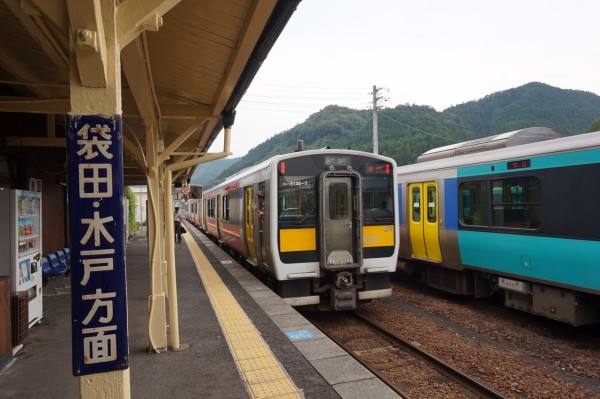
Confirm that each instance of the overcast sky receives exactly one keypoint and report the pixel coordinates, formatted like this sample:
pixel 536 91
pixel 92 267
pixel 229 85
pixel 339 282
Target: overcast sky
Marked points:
pixel 428 52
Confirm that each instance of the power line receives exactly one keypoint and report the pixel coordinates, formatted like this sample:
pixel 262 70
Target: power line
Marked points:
pixel 281 111
pixel 268 105
pixel 289 98
pixel 298 102
pixel 419 130
pixel 304 97
pixel 279 86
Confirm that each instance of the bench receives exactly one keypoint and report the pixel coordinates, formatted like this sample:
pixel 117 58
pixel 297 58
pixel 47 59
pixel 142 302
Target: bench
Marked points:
pixel 53 275
pixel 63 260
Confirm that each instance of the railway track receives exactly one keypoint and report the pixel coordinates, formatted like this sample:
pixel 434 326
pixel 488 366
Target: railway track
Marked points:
pixel 395 360
pixel 494 308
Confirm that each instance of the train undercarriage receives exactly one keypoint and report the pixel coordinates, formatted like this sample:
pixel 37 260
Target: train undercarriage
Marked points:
pixel 339 290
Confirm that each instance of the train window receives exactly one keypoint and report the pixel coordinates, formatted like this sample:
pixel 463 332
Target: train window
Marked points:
pixel 226 208
pixel 211 208
pixel 297 198
pixel 516 203
pixel 474 203
pixel 416 204
pixel 338 201
pixel 431 204
pixel 377 200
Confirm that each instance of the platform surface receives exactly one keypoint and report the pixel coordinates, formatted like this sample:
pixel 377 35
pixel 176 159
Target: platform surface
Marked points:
pixel 244 341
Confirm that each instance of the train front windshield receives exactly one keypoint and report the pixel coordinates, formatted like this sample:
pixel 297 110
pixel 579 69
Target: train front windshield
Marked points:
pixel 298 190
pixel 297 198
pixel 378 200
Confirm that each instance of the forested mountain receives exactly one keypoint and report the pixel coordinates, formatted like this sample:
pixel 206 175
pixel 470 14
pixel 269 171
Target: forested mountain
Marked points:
pixel 533 104
pixel 407 131
pixel 206 172
pixel 331 126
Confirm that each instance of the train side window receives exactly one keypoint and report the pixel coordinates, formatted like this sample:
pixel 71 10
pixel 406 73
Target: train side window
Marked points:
pixel 211 208
pixel 416 204
pixel 516 202
pixel 431 204
pixel 474 203
pixel 226 208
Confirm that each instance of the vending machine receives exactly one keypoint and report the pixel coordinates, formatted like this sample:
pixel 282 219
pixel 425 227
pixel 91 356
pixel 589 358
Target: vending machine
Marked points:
pixel 24 244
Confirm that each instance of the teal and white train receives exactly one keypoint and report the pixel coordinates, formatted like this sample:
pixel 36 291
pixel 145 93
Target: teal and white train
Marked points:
pixel 517 214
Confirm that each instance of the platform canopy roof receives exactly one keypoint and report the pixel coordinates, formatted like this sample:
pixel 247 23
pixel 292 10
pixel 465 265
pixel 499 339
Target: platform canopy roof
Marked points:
pixel 185 64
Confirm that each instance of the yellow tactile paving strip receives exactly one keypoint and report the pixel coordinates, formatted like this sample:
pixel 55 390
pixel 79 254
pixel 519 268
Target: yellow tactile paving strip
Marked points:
pixel 263 375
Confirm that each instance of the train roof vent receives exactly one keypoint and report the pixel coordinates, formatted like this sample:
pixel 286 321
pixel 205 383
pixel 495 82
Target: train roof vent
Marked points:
pixel 300 146
pixel 503 140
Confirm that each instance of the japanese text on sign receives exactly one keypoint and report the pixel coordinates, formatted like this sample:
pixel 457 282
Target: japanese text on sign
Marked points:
pixel 98 277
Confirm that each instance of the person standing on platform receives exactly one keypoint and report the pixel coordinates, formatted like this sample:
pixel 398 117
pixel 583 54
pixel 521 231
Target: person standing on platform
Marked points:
pixel 177 219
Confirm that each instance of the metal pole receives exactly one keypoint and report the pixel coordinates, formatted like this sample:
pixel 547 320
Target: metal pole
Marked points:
pixel 375 133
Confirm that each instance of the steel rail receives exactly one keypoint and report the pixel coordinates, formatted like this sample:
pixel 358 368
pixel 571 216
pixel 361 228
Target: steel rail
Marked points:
pixel 451 372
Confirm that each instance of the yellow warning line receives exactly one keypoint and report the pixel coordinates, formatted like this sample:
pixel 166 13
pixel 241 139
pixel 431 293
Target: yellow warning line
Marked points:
pixel 262 373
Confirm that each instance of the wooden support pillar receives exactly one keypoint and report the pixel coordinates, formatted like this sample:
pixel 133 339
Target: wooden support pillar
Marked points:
pixel 170 255
pixel 100 342
pixel 157 315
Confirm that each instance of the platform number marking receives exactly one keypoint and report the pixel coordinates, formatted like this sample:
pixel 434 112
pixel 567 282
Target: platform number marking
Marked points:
pixel 299 335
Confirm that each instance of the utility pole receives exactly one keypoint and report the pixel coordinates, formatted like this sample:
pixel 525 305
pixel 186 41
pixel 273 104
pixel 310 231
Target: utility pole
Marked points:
pixel 376 108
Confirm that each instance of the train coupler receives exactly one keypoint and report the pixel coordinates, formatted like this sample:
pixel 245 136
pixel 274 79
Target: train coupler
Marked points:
pixel 342 299
pixel 343 294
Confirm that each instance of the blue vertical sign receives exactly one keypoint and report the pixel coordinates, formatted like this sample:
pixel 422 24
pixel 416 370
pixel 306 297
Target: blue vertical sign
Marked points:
pixel 98 284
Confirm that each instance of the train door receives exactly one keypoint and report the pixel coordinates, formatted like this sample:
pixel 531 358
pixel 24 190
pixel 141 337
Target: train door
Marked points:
pixel 424 221
pixel 249 206
pixel 218 216
pixel 340 228
pixel 262 224
pixel 204 214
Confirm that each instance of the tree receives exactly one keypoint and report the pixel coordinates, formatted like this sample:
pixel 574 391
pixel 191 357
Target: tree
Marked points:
pixel 133 226
pixel 594 127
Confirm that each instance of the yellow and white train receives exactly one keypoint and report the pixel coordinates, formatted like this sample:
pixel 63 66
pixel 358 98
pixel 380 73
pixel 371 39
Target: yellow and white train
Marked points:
pixel 321 225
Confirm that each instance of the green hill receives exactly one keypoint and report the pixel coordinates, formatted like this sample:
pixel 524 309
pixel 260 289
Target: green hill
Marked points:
pixel 407 131
pixel 206 172
pixel 330 126
pixel 533 104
